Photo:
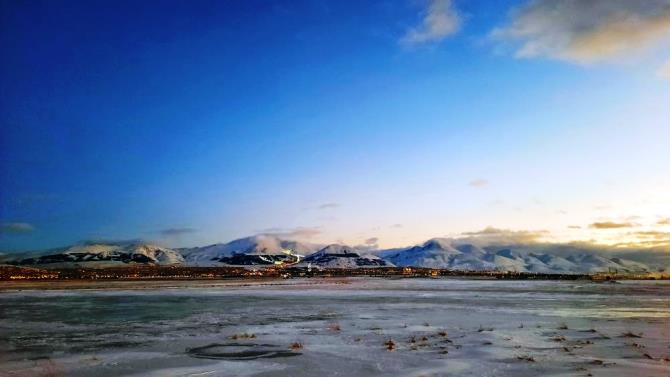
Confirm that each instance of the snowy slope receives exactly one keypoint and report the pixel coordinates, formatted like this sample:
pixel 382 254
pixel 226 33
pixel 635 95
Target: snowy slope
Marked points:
pixel 270 250
pixel 99 254
pixel 340 256
pixel 451 254
pixel 259 245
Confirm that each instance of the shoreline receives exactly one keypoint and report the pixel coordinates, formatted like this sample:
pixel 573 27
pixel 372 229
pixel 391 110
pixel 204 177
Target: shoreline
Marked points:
pixel 234 282
pixel 11 273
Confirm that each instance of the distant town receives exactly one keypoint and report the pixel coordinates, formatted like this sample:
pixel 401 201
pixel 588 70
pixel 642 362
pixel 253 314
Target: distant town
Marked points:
pixel 143 272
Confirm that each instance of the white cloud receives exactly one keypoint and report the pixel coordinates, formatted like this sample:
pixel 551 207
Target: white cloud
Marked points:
pixel 587 31
pixel 440 20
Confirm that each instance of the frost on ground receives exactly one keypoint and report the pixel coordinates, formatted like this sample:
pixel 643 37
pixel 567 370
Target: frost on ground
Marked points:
pixel 339 327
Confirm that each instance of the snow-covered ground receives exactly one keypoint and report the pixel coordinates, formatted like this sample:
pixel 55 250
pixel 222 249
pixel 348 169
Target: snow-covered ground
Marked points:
pixel 337 327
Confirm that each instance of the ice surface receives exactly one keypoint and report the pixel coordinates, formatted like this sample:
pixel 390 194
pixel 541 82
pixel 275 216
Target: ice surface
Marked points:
pixel 338 327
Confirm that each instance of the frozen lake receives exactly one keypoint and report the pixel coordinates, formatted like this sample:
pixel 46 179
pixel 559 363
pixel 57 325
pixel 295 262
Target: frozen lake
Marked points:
pixel 337 327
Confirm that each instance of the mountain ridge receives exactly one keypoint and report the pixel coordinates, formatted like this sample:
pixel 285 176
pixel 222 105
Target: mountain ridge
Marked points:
pixel 267 249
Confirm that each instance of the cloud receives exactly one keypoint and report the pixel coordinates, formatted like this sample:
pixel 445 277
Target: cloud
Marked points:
pixel 491 235
pixel 648 238
pixel 611 225
pixel 586 31
pixel 16 228
pixel 574 227
pixel 397 226
pixel 440 20
pixel 665 221
pixel 292 233
pixel 368 245
pixel 328 205
pixel 651 234
pixel 664 71
pixel 177 231
pixel 478 182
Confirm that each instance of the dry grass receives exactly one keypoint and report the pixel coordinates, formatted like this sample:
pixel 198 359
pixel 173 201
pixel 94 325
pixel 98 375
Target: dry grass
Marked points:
pixel 527 358
pixel 243 336
pixel 296 346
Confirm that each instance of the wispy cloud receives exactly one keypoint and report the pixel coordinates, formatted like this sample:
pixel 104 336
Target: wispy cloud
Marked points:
pixel 396 226
pixel 491 235
pixel 16 228
pixel 328 205
pixel 649 238
pixel 479 182
pixel 584 32
pixel 177 231
pixel 651 233
pixel 372 241
pixel 612 225
pixel 293 233
pixel 664 71
pixel 665 221
pixel 574 227
pixel 368 245
pixel 439 20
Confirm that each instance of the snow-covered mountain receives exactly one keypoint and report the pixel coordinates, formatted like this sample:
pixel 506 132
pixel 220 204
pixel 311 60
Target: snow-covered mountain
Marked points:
pixel 267 250
pixel 98 254
pixel 452 254
pixel 259 248
pixel 340 256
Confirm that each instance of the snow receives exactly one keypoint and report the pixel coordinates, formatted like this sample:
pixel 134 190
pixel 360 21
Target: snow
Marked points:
pixel 255 245
pixel 486 327
pixel 101 254
pixel 341 256
pixel 435 253
pixel 446 253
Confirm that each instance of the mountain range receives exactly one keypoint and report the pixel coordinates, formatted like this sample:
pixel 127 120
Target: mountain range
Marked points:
pixel 266 249
pixel 452 254
pixel 98 254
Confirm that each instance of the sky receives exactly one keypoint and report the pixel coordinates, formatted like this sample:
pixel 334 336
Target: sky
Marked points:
pixel 380 122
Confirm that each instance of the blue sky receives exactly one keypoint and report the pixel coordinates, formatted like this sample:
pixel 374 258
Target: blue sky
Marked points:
pixel 197 122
